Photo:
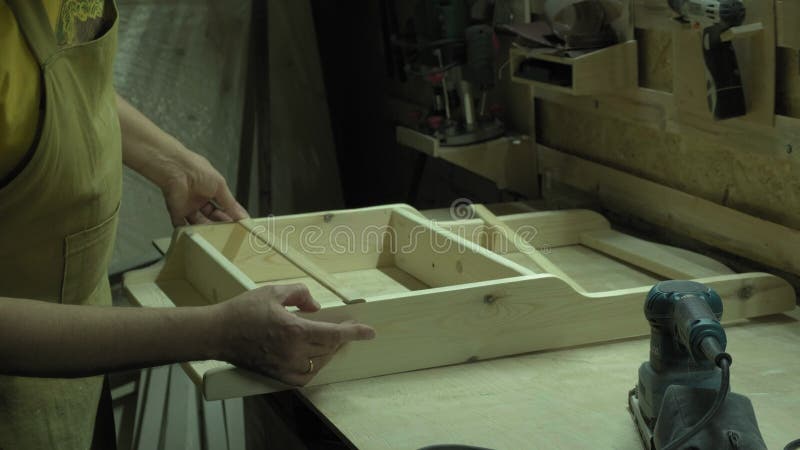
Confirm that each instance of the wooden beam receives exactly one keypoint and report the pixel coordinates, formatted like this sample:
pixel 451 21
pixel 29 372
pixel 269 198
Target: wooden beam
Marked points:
pixel 646 255
pixel 302 262
pixel 521 245
pixel 730 230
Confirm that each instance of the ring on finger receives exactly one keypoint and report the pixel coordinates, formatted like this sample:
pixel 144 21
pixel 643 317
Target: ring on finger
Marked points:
pixel 310 366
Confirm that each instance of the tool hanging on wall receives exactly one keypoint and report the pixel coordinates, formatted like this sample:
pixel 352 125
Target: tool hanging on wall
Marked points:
pixel 452 45
pixel 724 82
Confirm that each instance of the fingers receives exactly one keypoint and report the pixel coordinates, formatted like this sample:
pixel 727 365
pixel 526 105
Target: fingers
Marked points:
pixel 229 204
pixel 331 335
pixel 219 215
pixel 197 218
pixel 208 213
pixel 284 345
pixel 299 297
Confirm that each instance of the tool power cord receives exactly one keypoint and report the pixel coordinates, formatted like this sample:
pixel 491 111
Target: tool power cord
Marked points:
pixel 794 445
pixel 724 364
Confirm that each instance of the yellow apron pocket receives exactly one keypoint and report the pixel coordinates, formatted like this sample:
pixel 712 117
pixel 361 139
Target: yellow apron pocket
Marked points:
pixel 86 258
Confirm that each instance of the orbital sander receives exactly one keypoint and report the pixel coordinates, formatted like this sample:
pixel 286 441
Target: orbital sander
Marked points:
pixel 681 400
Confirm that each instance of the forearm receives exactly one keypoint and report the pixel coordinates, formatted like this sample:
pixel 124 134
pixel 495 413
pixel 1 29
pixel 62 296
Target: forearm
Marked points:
pixel 52 340
pixel 148 149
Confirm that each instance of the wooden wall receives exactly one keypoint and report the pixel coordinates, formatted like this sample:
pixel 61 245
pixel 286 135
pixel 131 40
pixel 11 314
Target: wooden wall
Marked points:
pixel 751 168
pixel 660 132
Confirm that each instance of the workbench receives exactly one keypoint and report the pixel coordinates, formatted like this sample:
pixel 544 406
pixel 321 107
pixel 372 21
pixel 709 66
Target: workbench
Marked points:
pixel 565 399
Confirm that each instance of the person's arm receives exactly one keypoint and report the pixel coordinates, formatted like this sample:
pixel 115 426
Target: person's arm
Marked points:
pixel 192 187
pixel 253 330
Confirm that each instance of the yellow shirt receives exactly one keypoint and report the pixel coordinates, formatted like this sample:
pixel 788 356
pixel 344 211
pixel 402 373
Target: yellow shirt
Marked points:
pixel 73 21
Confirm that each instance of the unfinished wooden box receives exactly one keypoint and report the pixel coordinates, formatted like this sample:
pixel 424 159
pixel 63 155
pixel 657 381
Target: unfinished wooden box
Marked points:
pixel 437 293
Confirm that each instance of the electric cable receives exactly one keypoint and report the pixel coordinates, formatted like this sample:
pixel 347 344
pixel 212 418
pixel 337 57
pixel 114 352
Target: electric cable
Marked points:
pixel 724 365
pixel 794 445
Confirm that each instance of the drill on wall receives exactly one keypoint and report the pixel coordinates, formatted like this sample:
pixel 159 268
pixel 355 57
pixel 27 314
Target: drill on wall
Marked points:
pixel 686 380
pixel 725 92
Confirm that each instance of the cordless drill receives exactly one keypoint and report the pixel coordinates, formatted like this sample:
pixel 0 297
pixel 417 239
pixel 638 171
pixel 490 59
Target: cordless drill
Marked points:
pixel 688 367
pixel 725 92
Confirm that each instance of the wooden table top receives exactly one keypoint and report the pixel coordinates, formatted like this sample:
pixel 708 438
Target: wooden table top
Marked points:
pixel 565 399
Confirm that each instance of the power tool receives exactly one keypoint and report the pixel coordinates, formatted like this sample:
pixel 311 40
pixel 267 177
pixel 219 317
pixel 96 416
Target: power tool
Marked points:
pixel 681 400
pixel 452 45
pixel 725 92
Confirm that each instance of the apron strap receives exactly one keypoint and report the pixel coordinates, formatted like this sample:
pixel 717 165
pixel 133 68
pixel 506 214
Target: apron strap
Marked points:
pixel 35 25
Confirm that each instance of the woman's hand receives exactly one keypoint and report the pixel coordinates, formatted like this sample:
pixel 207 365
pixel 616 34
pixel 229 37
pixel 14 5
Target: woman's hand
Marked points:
pixel 263 336
pixel 197 193
pixel 194 191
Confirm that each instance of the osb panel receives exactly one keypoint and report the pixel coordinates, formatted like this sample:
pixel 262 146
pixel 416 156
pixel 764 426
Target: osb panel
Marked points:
pixel 655 59
pixel 787 83
pixel 752 182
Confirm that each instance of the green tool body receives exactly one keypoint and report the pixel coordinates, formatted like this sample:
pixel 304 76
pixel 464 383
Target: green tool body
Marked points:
pixel 682 314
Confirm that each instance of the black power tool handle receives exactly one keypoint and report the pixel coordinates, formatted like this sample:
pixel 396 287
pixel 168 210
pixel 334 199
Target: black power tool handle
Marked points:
pixel 725 92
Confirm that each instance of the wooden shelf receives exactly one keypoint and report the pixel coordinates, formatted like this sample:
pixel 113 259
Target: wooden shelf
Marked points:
pixel 509 161
pixel 604 70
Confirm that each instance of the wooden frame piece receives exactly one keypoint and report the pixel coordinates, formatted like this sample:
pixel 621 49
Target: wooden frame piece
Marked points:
pixel 730 230
pixel 461 303
pixel 514 241
pixel 306 265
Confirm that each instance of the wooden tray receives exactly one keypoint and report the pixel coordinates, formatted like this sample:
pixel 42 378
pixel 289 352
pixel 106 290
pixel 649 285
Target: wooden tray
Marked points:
pixel 438 294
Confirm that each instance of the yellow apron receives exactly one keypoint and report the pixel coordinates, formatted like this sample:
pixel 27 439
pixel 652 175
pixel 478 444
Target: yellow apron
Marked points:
pixel 58 219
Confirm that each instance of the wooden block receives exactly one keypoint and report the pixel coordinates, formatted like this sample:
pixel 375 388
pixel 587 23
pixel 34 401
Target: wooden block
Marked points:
pixel 742 31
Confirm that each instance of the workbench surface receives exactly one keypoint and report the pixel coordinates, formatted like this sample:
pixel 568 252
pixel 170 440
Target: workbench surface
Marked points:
pixel 566 399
